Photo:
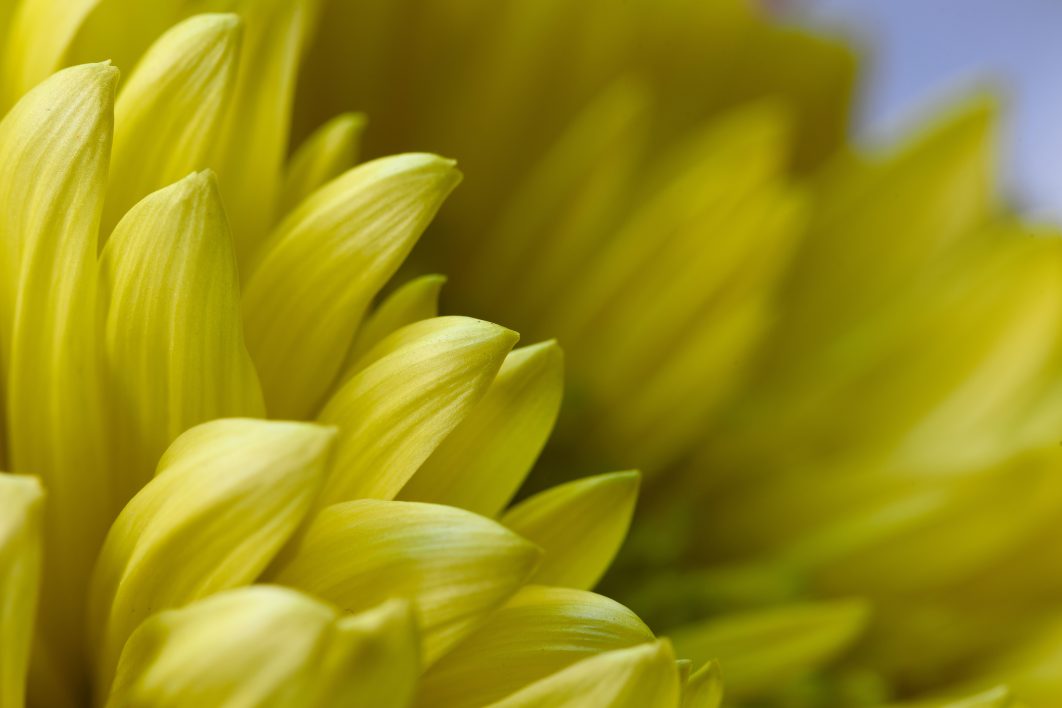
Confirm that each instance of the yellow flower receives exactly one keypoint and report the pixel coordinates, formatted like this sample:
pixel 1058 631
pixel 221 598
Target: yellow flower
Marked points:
pixel 237 480
pixel 838 368
pixel 834 366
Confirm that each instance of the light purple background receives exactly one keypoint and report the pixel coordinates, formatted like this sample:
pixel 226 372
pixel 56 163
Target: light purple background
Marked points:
pixel 920 53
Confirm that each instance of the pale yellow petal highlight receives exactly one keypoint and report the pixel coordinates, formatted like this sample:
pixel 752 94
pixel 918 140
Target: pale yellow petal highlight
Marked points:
pixel 39 34
pixel 412 302
pixel 170 111
pixel 20 567
pixel 482 463
pixel 704 689
pixel 643 676
pixel 316 276
pixel 227 496
pixel 762 649
pixel 54 149
pixel 581 525
pixel 329 152
pixel 269 647
pixel 454 566
pixel 423 381
pixel 173 337
pixel 540 631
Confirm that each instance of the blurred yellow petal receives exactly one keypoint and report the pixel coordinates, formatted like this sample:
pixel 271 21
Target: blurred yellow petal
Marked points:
pixel 319 271
pixel 423 381
pixel 763 649
pixel 482 463
pixel 250 157
pixel 540 631
pixel 639 677
pixel 580 525
pixel 20 566
pixel 169 113
pixel 454 566
pixel 269 647
pixel 54 148
pixel 39 34
pixel 227 496
pixel 328 153
pixel 704 688
pixel 412 302
pixel 173 336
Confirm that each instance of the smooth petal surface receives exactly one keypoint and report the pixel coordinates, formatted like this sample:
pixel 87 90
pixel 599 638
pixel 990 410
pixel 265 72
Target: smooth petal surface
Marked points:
pixel 20 567
pixel 269 647
pixel 482 463
pixel 316 276
pixel 329 152
pixel 173 337
pixel 540 631
pixel 580 525
pixel 762 649
pixel 54 148
pixel 412 302
pixel 227 496
pixel 39 34
pixel 639 677
pixel 421 383
pixel 454 566
pixel 170 112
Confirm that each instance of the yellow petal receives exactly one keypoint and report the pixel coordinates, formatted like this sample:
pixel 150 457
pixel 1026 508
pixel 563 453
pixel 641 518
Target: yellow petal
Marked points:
pixel 422 382
pixel 271 647
pixel 704 689
pixel 412 302
pixel 999 697
pixel 454 566
pixel 580 525
pixel 250 156
pixel 482 463
pixel 540 631
pixel 54 148
pixel 173 337
pixel 320 270
pixel 762 649
pixel 639 677
pixel 227 496
pixel 329 152
pixel 170 111
pixel 20 565
pixel 39 34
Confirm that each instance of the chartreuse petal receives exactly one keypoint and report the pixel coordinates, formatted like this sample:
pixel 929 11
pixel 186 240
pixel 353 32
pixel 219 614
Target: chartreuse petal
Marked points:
pixel 54 148
pixel 643 676
pixel 454 566
pixel 421 383
pixel 412 302
pixel 765 648
pixel 38 35
pixel 250 156
pixel 540 631
pixel 227 496
pixel 999 697
pixel 316 276
pixel 173 338
pixel 482 463
pixel 329 152
pixel 704 688
pixel 20 567
pixel 170 111
pixel 580 525
pixel 269 647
